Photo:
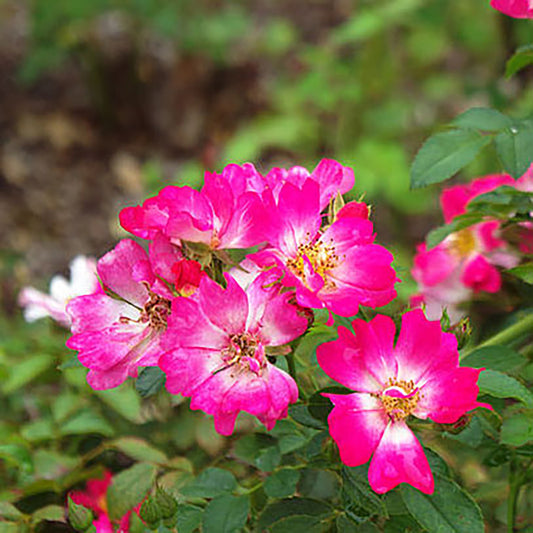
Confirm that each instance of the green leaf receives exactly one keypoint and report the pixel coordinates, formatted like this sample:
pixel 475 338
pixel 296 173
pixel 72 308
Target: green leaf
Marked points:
pixel 22 373
pixel 37 430
pixel 124 400
pixel 259 450
pixel 482 119
pixel 150 381
pixel 524 272
pixel 189 518
pixel 357 494
pixel 300 524
pixel 494 358
pixel 346 525
pixel 319 484
pixel 55 513
pixel 9 511
pixel 502 386
pixel 226 514
pixel 139 449
pixel 87 421
pixel 517 430
pixel 282 483
pixel 300 413
pixel 291 507
pixel 521 58
pixel 17 455
pixel 129 488
pixel 448 510
pixel 212 482
pixel 444 154
pixel 513 146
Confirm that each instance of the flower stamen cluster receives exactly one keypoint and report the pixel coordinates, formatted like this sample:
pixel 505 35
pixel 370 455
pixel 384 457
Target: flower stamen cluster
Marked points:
pixel 400 398
pixel 321 256
pixel 156 311
pixel 243 351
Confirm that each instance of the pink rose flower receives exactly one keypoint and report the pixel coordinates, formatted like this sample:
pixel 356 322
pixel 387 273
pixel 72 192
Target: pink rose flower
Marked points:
pixel 115 334
pixel 331 176
pixel 94 497
pixel 393 382
pixel 338 268
pixel 521 9
pixel 216 350
pixel 465 262
pixel 83 280
pixel 221 215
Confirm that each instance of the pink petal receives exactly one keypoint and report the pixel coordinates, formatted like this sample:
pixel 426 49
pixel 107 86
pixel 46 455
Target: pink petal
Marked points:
pixel 333 179
pixel 163 256
pixel 356 423
pixel 448 394
pixel 123 270
pixel 480 275
pixel 514 8
pixel 272 314
pixel 432 267
pixel 188 326
pixel 226 309
pixel 145 221
pixel 347 232
pixel 296 218
pixel 419 337
pixel 364 361
pixel 399 458
pixel 187 368
pixel 343 361
pixel 97 311
pixel 354 210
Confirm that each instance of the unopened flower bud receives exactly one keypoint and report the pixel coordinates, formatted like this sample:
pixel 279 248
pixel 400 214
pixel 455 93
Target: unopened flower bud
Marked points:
pixel 168 506
pixel 150 513
pixel 80 517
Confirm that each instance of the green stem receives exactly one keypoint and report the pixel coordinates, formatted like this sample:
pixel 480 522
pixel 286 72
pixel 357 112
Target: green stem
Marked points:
pixel 514 489
pixel 524 325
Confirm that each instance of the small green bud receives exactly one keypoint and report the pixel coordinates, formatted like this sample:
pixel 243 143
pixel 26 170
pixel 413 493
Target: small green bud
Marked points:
pixel 150 513
pixel 80 517
pixel 168 506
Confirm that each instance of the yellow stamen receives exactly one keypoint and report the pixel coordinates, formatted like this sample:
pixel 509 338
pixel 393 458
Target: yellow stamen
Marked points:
pixel 462 243
pixel 399 408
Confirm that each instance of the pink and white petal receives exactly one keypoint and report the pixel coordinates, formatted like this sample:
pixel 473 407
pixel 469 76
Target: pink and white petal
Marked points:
pixel 37 305
pixel 432 267
pixel 187 368
pixel 124 269
pixel 356 423
pixel 333 179
pixel 98 311
pixel 368 269
pixel 297 217
pixel 103 349
pixel 375 340
pixel 448 394
pixel 480 275
pixel 419 337
pixel 488 234
pixel 108 379
pixel 226 308
pixel 347 232
pixel 399 458
pixel 163 256
pixel 244 228
pixel 272 314
pixel 343 360
pixel 189 327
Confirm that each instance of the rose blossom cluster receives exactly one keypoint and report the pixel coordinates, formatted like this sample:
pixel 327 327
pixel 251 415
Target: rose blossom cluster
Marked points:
pixel 214 333
pixel 215 328
pixel 466 262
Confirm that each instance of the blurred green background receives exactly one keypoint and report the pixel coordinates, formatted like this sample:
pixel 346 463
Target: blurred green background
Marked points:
pixel 103 102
